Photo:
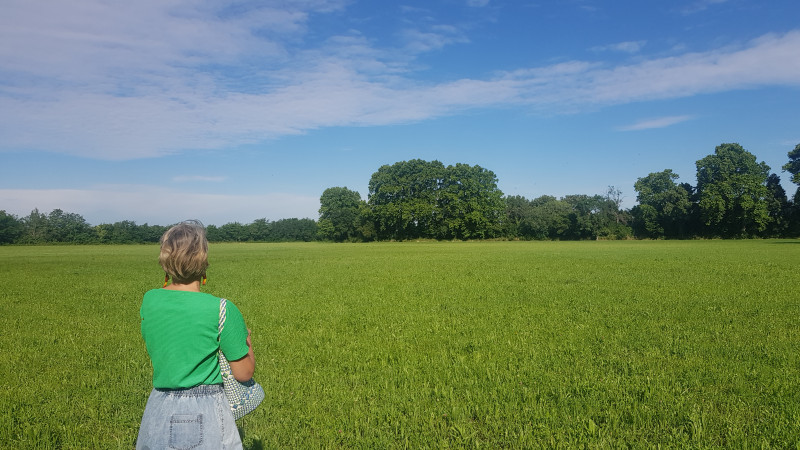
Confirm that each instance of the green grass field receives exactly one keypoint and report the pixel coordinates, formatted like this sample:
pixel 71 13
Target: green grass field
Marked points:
pixel 419 345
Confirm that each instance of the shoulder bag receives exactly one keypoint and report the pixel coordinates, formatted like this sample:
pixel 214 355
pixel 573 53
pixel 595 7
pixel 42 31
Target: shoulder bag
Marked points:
pixel 243 397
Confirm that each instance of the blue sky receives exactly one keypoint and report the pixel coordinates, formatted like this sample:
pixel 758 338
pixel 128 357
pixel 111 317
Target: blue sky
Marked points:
pixel 162 110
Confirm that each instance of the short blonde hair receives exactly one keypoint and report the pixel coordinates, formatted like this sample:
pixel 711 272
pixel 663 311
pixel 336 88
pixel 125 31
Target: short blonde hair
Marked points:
pixel 184 252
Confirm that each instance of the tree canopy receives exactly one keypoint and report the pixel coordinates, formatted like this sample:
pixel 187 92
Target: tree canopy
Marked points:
pixel 732 190
pixel 663 205
pixel 424 199
pixel 339 214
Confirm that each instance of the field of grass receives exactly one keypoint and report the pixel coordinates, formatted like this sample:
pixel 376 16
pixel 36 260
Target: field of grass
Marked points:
pixel 417 345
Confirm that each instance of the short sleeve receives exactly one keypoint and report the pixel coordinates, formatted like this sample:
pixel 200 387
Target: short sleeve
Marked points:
pixel 233 340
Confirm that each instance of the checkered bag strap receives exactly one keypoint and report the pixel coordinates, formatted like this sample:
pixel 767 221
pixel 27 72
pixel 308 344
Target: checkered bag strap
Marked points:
pixel 224 367
pixel 243 397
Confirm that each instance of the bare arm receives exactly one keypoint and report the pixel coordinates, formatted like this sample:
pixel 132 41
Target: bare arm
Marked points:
pixel 244 367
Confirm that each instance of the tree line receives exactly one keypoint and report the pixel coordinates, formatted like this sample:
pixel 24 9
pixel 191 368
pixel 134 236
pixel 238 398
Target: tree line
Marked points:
pixel 70 228
pixel 735 197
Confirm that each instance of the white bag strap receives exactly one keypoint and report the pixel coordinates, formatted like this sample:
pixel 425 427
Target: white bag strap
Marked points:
pixel 222 315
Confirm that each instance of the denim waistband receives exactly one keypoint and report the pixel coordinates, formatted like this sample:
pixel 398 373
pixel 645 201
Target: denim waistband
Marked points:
pixel 197 391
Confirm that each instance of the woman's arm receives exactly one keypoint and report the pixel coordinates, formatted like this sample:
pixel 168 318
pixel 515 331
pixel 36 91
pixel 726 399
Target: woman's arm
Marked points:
pixel 244 367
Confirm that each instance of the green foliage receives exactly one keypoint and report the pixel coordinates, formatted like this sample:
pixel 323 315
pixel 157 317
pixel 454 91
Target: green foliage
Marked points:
pixel 778 206
pixel 470 204
pixel 793 166
pixel 574 217
pixel 339 214
pixel 262 230
pixel 663 205
pixel 732 190
pixel 293 230
pixel 642 344
pixel 404 200
pixel 10 228
pixel 421 199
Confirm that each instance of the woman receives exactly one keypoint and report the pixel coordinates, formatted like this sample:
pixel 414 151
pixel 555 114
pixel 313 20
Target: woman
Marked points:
pixel 187 407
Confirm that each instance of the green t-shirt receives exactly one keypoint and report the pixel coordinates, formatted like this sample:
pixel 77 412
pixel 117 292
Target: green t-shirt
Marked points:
pixel 180 331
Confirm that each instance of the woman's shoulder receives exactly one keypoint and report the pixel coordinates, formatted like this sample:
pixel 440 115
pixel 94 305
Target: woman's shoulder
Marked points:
pixel 179 296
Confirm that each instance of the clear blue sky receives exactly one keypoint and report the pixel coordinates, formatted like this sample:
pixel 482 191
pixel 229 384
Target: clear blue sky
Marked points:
pixel 162 110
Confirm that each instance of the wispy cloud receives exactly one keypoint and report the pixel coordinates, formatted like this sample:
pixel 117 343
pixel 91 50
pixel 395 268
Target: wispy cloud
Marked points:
pixel 150 78
pixel 626 47
pixel 701 5
pixel 661 122
pixel 438 36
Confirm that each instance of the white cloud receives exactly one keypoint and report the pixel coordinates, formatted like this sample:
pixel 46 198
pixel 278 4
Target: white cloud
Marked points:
pixel 419 41
pixel 626 47
pixel 661 122
pixel 701 5
pixel 149 78
pixel 102 204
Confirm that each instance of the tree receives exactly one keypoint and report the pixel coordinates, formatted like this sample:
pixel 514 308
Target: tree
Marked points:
pixel 793 166
pixel 339 213
pixel 585 218
pixel 293 230
pixel 10 228
pixel 35 228
pixel 549 219
pixel 778 206
pixel 469 203
pixel 124 232
pixel 232 232
pixel 259 230
pixel 613 220
pixel 664 206
pixel 404 199
pixel 68 227
pixel 421 199
pixel 732 190
pixel 518 212
pixel 614 202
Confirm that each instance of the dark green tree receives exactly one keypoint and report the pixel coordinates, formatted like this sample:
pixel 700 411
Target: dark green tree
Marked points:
pixel 293 230
pixel 68 227
pixel 259 230
pixel 124 232
pixel 366 223
pixel 518 212
pixel 732 192
pixel 213 234
pixel 549 219
pixel 793 166
pixel 404 200
pixel 779 208
pixel 469 203
pixel 421 199
pixel 664 206
pixel 10 228
pixel 233 232
pixel 339 214
pixel 584 218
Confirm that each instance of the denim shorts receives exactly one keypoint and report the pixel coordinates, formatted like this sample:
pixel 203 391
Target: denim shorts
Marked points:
pixel 193 418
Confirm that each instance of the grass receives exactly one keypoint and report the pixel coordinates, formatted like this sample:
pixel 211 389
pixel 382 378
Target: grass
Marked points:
pixel 428 345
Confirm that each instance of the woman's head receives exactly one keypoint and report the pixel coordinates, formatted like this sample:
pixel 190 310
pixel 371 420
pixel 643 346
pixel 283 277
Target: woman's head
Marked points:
pixel 184 252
